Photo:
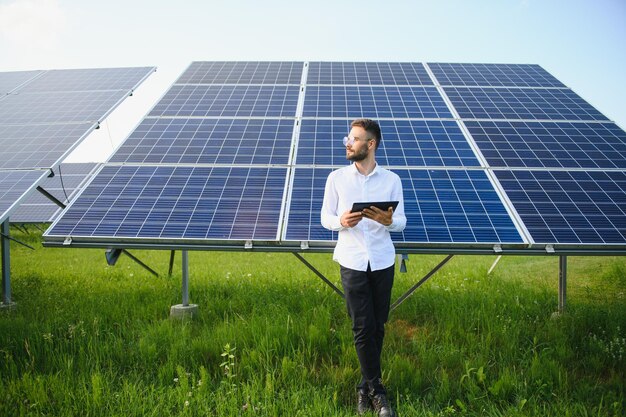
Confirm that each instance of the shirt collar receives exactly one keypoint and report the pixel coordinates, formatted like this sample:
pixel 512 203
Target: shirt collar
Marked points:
pixel 356 171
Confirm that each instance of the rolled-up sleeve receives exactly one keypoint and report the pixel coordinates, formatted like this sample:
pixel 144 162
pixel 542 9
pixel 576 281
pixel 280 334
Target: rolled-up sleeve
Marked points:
pixel 329 216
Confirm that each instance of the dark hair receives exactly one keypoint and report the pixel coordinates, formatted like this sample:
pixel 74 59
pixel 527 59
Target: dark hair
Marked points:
pixel 370 126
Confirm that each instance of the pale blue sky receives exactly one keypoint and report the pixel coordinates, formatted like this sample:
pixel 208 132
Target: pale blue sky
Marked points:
pixel 582 43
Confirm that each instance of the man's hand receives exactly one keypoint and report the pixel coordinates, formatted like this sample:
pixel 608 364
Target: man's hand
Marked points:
pixel 381 216
pixel 350 219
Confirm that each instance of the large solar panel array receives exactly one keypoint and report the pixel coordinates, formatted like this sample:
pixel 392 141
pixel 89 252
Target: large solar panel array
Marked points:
pixel 67 181
pixel 44 115
pixel 489 155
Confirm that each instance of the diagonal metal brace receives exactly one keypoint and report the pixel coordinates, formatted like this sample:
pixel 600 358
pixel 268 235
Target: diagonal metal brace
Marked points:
pixel 112 255
pixel 419 284
pixel 16 241
pixel 319 274
pixel 51 197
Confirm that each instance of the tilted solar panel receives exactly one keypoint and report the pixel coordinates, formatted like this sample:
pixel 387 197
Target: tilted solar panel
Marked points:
pixel 521 103
pixel 433 143
pixel 367 73
pixel 502 75
pixel 208 141
pixel 573 207
pixel 10 81
pixel 92 79
pixel 13 186
pixel 228 100
pixel 374 102
pixel 550 145
pixel 252 72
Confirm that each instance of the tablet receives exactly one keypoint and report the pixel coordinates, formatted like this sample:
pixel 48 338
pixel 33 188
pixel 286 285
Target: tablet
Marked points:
pixel 383 205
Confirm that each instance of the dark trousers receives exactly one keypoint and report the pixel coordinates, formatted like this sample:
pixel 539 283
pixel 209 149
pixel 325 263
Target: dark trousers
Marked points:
pixel 368 296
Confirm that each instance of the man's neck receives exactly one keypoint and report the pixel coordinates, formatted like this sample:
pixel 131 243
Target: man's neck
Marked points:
pixel 366 166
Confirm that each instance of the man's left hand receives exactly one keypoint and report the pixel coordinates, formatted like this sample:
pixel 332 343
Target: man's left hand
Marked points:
pixel 381 216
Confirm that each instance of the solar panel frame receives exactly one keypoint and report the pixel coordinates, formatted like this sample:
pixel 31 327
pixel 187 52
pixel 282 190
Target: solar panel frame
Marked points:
pixel 238 72
pixel 503 75
pixel 368 73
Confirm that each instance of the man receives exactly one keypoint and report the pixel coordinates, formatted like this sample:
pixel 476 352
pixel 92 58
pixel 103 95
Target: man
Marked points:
pixel 365 251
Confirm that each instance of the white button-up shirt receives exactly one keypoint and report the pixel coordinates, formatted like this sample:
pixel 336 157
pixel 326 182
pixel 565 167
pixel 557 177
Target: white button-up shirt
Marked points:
pixel 368 241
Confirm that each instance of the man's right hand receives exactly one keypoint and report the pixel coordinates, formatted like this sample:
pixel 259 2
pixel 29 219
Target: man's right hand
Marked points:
pixel 350 219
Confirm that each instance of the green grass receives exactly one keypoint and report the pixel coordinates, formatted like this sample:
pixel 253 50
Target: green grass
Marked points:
pixel 272 340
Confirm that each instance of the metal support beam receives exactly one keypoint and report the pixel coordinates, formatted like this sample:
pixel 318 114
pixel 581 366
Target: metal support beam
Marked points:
pixel 419 284
pixel 51 197
pixel 562 283
pixel 134 258
pixel 185 278
pixel 169 271
pixel 494 264
pixel 319 274
pixel 6 264
pixel 112 255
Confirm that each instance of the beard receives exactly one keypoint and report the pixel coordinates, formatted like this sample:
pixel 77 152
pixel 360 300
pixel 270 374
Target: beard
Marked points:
pixel 357 155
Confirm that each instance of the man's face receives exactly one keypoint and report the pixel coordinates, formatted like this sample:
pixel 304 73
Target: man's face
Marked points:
pixel 358 150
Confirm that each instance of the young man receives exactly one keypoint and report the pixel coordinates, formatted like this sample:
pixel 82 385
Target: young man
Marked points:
pixel 365 251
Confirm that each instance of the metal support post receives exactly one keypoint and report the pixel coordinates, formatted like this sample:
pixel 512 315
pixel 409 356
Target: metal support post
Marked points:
pixel 494 264
pixel 319 274
pixel 184 310
pixel 6 264
pixel 419 284
pixel 185 278
pixel 169 272
pixel 562 282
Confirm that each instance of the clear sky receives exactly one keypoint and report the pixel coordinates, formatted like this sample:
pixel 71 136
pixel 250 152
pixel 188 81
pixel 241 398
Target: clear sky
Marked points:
pixel 582 43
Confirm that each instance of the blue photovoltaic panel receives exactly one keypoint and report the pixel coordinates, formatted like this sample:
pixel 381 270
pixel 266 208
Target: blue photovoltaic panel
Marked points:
pixel 58 107
pixel 36 208
pixel 13 185
pixel 38 146
pixel 374 102
pixel 208 141
pixel 442 206
pixel 503 75
pixel 367 73
pixel 166 202
pixel 228 101
pixel 550 144
pixel 404 143
pixel 573 207
pixel 220 72
pixel 9 81
pixel 521 103
pixel 92 79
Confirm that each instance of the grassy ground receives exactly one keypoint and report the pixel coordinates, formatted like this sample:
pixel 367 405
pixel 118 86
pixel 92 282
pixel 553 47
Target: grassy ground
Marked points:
pixel 272 340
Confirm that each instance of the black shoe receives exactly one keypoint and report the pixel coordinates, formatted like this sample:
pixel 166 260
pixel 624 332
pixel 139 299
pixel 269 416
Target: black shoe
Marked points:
pixel 381 406
pixel 363 402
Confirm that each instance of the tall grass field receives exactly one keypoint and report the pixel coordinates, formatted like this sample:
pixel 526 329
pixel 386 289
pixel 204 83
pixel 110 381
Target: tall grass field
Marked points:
pixel 271 339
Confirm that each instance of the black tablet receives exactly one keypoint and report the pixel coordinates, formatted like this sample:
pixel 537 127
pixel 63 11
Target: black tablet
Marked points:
pixel 383 205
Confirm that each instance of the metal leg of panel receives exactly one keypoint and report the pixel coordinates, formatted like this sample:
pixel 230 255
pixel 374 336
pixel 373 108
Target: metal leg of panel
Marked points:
pixel 319 274
pixel 419 284
pixel 562 283
pixel 6 266
pixel 184 310
pixel 172 255
pixel 493 266
pixel 143 265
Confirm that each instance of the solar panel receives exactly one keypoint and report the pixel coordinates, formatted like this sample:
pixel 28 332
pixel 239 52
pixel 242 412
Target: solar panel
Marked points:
pixel 374 102
pixel 571 207
pixel 224 72
pixel 222 125
pixel 58 107
pixel 67 181
pixel 13 186
pixel 228 100
pixel 10 81
pixel 168 202
pixel 441 206
pixel 550 145
pixel 367 73
pixel 434 143
pixel 41 145
pixel 520 103
pixel 504 75
pixel 208 141
pixel 93 79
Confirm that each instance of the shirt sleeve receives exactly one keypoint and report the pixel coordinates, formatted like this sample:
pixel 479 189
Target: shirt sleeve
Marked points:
pixel 398 220
pixel 330 219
